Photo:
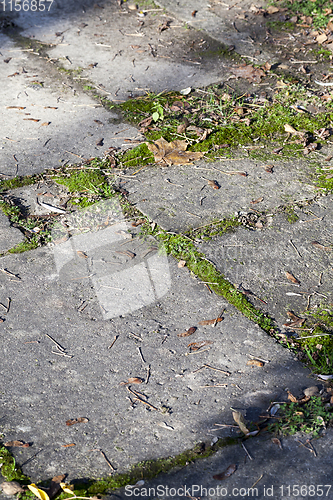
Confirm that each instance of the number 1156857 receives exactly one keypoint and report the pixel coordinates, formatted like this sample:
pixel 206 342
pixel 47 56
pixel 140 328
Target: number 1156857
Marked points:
pixel 26 5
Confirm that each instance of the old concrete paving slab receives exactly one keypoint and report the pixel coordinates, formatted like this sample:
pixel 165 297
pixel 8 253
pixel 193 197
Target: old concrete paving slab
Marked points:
pixel 259 259
pixel 181 197
pixel 86 296
pixel 43 389
pixel 9 236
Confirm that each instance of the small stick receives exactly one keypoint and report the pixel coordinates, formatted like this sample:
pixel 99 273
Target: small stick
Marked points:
pixel 179 185
pixel 141 400
pixel 248 454
pixel 218 370
pixel 194 215
pixel 308 304
pixel 56 343
pixel 9 273
pixel 164 339
pixel 141 356
pixel 32 342
pixel 312 448
pixel 148 374
pixel 216 385
pixel 197 352
pixel 8 305
pixel 292 244
pixel 260 359
pixel 107 461
pixel 78 156
pixel 320 277
pixel 226 425
pixel 218 317
pixel 62 354
pixel 115 338
pixel 257 481
pixel 135 336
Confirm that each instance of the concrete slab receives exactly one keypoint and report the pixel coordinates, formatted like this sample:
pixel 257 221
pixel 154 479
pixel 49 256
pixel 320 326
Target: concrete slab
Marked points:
pixel 180 197
pixel 9 236
pixel 259 259
pixel 42 390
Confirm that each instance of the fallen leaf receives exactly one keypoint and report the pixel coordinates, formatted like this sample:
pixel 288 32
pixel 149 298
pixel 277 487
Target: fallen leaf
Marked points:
pixel 146 122
pixel 189 332
pixel 210 321
pixel 267 66
pixel 249 72
pixel 135 380
pixel 129 254
pixel 293 316
pixel 44 124
pixel 181 128
pixel 185 91
pixel 14 74
pixel 311 391
pixel 269 168
pixel 227 473
pixel 290 129
pixel 182 263
pixel 55 485
pixel 194 13
pixel 22 444
pixel 11 488
pixel 321 38
pixel 272 10
pixel 42 495
pixel 195 346
pixel 138 222
pixel 213 184
pixel 67 488
pixel 292 278
pixel 67 445
pixel 80 420
pixel 98 122
pixel 240 421
pixel 7 60
pixel 277 441
pixel 50 107
pixel 255 362
pixel 81 254
pixel 311 147
pixel 258 200
pixel 32 119
pixel 173 153
pixel 100 142
pixel 15 107
pixel 319 245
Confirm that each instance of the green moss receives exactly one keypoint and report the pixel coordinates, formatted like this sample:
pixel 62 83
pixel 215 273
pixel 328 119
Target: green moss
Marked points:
pixel 280 25
pixel 8 468
pixel 18 182
pixel 138 156
pixel 317 10
pixel 292 216
pixel 24 246
pixel 82 180
pixel 324 179
pixel 215 228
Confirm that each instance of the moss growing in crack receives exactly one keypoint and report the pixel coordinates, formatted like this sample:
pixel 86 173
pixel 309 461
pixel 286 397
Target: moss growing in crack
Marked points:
pixel 8 468
pixel 325 180
pixel 24 246
pixel 18 182
pixel 292 216
pixel 138 156
pixel 215 228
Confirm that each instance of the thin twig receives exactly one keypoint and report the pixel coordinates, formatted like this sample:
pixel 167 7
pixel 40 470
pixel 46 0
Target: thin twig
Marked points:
pixel 292 244
pixel 62 349
pixel 141 400
pixel 141 356
pixel 114 340
pixel 217 370
pixel 148 374
pixel 248 454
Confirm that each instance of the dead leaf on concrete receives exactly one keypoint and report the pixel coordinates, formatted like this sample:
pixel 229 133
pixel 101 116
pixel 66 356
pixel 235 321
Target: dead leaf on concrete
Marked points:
pixel 258 200
pixel 213 184
pixel 321 38
pixel 292 278
pixel 195 346
pixel 210 321
pixel 182 263
pixel 240 421
pixel 55 487
pixel 249 72
pixel 11 488
pixel 21 444
pixel 81 254
pixel 79 420
pixel 277 441
pixel 173 153
pixel 255 362
pixel 293 399
pixel 227 473
pixel 189 332
pixel 319 245
pixel 272 10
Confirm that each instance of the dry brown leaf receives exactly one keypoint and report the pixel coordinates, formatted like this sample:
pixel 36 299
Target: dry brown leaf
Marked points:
pixel 50 107
pixel 15 107
pixel 210 321
pixel 293 399
pixel 45 124
pixel 81 254
pixel 172 153
pixel 129 254
pixel 258 200
pixel 181 128
pixel 319 245
pixel 267 66
pixel 240 421
pixel 32 119
pixel 138 222
pixel 195 346
pixel 55 485
pixel 255 362
pixel 67 445
pixel 79 420
pixel 21 444
pixel 182 263
pixel 272 10
pixel 227 473
pixel 249 72
pixel 189 332
pixel 321 38
pixel 290 129
pixel 11 488
pixel 292 278
pixel 213 184
pixel 135 380
pixel 277 441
